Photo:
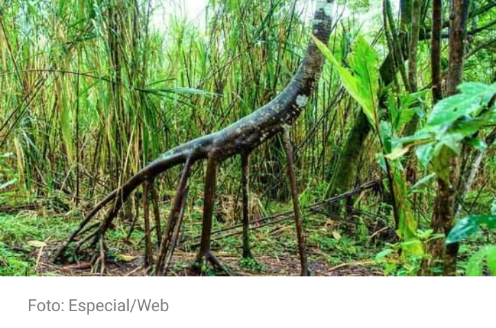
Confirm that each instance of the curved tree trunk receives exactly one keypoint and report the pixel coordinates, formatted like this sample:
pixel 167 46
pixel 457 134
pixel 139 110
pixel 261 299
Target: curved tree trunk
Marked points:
pixel 240 137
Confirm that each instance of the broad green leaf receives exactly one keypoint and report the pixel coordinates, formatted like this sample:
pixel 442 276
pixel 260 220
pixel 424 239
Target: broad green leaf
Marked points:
pixel 397 153
pixel 477 144
pixel 487 220
pixel 385 133
pixel 453 120
pixel 470 225
pixel 361 86
pixel 462 229
pixel 475 264
pixel 422 181
pixel 487 91
pixel 491 260
pixel 365 65
pixel 383 254
pixel 450 109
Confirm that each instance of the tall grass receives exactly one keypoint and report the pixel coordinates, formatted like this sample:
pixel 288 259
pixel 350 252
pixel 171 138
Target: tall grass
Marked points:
pixel 90 93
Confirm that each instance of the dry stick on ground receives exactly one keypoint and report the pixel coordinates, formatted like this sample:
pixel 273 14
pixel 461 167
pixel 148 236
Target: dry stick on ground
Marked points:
pixel 238 138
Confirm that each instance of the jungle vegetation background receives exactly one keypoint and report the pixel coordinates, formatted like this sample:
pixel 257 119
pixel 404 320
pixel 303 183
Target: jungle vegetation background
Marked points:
pixel 93 90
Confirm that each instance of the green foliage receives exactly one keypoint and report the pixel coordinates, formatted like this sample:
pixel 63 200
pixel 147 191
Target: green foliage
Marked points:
pixel 407 264
pixel 8 177
pixel 251 264
pixel 92 91
pixel 362 82
pixel 469 226
pixel 454 120
pixel 486 255
pixel 403 107
pixel 17 256
pixel 362 79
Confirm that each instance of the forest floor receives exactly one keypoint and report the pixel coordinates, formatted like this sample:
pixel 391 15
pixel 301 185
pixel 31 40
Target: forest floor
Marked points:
pixel 269 266
pixel 335 248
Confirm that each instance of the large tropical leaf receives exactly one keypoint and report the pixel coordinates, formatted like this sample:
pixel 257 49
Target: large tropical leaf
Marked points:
pixel 362 81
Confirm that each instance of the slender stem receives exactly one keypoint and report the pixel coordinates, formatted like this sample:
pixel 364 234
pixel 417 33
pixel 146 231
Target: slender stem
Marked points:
pixel 245 176
pixel 412 57
pixel 436 70
pixel 156 213
pixel 296 204
pixel 146 215
pixel 208 207
pixel 177 230
pixel 173 218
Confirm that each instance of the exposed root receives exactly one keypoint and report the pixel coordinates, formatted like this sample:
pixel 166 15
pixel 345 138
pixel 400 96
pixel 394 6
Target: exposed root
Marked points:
pixel 174 222
pixel 177 231
pixel 200 266
pixel 98 262
pixel 79 245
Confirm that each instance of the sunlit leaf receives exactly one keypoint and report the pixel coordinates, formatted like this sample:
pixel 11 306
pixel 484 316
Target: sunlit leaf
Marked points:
pixel 423 181
pixel 465 103
pixel 475 264
pixel 383 254
pixel 362 83
pixel 491 260
pixel 470 225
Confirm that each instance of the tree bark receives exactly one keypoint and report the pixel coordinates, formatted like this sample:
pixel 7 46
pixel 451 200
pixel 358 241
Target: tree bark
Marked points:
pixel 296 204
pixel 436 70
pixel 444 206
pixel 245 186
